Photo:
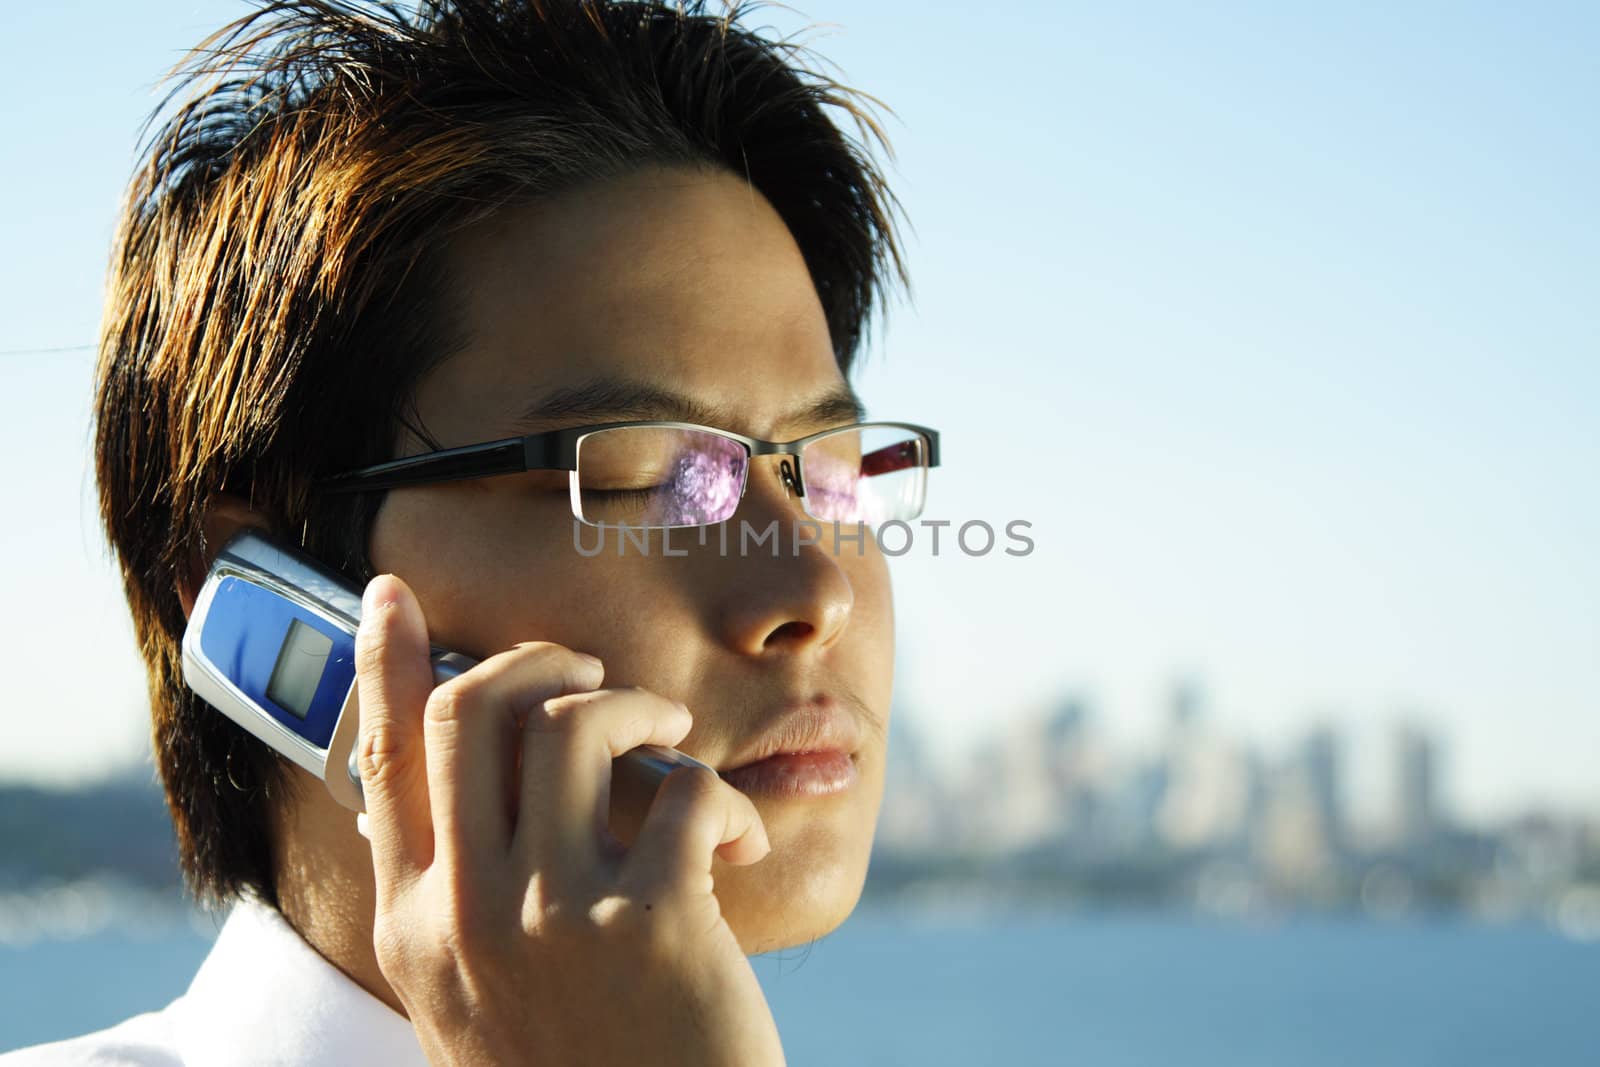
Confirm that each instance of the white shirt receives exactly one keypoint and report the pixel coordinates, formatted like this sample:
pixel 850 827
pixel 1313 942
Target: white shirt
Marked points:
pixel 262 996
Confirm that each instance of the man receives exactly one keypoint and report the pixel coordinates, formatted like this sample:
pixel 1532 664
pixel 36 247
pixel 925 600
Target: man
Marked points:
pixel 362 236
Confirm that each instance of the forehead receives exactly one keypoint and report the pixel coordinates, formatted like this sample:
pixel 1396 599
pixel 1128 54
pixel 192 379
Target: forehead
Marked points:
pixel 682 280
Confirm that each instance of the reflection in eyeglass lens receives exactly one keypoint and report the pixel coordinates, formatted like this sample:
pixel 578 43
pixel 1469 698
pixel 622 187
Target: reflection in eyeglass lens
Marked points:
pixel 871 475
pixel 659 476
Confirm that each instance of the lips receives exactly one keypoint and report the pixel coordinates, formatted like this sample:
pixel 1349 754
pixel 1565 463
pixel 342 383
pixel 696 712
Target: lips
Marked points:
pixel 803 774
pixel 807 750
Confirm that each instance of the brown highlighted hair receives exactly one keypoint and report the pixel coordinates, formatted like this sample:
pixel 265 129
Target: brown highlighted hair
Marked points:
pixel 276 288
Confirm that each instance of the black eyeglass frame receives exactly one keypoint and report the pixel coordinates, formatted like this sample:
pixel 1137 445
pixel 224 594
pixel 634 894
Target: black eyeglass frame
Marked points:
pixel 558 450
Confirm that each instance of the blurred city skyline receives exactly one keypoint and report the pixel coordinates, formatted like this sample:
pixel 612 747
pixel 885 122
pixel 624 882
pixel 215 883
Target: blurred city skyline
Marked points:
pixel 1052 812
pixel 1278 326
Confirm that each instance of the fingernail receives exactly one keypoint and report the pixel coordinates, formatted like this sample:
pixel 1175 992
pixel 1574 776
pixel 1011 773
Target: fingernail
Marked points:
pixel 362 826
pixel 594 661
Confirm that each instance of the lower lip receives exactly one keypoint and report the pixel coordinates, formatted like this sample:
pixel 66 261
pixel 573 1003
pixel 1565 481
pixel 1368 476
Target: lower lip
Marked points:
pixel 803 774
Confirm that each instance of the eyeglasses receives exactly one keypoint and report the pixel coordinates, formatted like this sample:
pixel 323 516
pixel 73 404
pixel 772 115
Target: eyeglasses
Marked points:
pixel 674 474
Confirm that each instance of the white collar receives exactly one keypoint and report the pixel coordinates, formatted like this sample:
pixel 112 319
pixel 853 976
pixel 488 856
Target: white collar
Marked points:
pixel 265 996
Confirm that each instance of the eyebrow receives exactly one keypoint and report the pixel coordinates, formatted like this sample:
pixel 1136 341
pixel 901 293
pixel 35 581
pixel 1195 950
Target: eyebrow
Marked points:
pixel 619 399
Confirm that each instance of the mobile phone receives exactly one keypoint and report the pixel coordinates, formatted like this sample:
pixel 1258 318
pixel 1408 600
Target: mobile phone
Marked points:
pixel 271 644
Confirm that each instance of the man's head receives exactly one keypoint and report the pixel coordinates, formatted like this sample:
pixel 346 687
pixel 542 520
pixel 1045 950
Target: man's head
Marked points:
pixel 360 236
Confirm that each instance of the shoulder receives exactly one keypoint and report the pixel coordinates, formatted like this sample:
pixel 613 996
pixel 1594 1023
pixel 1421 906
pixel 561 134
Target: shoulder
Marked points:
pixel 142 1041
pixel 263 997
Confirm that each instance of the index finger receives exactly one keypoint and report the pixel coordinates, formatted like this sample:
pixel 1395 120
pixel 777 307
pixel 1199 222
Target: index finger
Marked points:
pixel 694 816
pixel 394 678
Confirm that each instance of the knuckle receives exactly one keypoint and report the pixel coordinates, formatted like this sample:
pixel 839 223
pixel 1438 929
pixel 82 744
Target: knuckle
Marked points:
pixel 382 752
pixel 549 656
pixel 621 920
pixel 656 924
pixel 570 710
pixel 542 651
pixel 589 919
pixel 645 927
pixel 372 650
pixel 554 922
pixel 548 716
pixel 697 789
pixel 691 795
pixel 370 655
pixel 638 725
pixel 448 704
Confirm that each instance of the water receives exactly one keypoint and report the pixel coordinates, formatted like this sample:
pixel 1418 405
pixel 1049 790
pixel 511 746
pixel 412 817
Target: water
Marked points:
pixel 1105 990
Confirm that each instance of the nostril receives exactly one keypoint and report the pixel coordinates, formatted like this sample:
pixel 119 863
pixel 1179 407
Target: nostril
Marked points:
pixel 790 631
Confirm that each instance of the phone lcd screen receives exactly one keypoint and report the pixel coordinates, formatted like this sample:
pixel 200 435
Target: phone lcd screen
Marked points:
pixel 294 679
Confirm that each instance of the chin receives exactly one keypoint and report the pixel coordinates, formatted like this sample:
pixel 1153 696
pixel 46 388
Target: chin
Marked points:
pixel 791 897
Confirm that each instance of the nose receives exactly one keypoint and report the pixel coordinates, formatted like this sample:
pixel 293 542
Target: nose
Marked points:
pixel 784 587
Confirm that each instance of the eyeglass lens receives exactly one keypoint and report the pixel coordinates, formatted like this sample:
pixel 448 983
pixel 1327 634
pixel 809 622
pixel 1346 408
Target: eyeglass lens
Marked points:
pixel 871 475
pixel 667 476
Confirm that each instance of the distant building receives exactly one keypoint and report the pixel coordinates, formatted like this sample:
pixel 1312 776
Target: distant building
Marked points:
pixel 1416 785
pixel 1206 799
pixel 1323 758
pixel 1289 846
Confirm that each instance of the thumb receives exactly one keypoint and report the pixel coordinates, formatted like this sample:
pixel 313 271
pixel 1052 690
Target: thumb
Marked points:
pixel 393 680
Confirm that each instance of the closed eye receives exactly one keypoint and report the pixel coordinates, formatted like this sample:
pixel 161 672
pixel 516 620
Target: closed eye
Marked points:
pixel 648 492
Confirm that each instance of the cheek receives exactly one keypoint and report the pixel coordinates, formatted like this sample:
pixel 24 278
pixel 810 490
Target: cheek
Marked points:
pixel 491 570
pixel 872 615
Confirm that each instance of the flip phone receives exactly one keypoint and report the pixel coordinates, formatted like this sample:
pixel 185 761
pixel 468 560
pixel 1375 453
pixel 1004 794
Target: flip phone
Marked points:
pixel 271 644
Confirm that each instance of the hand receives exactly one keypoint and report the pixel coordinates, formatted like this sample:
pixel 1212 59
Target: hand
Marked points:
pixel 510 923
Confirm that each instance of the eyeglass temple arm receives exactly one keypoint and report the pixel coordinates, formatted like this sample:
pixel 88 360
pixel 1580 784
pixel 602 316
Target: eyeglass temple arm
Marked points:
pixel 900 456
pixel 471 461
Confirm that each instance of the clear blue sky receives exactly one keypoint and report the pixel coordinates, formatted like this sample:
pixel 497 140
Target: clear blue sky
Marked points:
pixel 1279 325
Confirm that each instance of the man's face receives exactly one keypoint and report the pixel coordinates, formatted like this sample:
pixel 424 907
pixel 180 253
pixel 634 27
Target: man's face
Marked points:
pixel 687 283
